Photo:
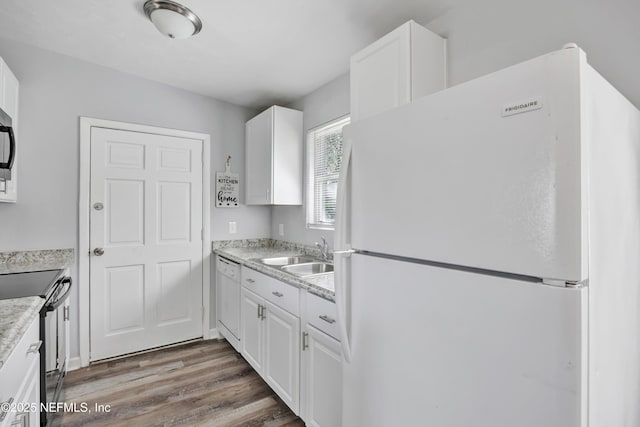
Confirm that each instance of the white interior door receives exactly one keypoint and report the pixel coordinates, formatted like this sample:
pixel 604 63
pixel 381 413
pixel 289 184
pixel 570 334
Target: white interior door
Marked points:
pixel 146 216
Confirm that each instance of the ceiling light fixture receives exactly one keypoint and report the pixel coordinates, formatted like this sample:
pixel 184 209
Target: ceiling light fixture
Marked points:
pixel 172 19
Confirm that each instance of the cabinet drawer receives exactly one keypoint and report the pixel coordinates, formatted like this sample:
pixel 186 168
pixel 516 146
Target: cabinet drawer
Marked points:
pixel 279 293
pixel 251 280
pixel 13 372
pixel 283 295
pixel 323 314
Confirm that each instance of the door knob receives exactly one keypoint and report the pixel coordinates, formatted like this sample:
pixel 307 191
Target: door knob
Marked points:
pixel 98 251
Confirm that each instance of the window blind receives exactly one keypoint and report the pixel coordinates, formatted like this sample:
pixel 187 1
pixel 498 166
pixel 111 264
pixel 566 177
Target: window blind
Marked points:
pixel 325 157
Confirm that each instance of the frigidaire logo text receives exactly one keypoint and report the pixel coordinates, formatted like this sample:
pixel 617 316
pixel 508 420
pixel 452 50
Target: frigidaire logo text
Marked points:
pixel 530 104
pixel 521 106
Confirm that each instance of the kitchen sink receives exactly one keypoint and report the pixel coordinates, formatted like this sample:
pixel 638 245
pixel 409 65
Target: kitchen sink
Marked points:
pixel 283 261
pixel 309 268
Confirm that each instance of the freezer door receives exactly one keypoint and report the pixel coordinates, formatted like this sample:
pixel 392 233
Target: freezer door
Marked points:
pixel 440 347
pixel 457 177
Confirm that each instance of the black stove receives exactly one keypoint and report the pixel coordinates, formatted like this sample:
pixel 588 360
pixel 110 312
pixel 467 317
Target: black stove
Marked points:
pixel 31 284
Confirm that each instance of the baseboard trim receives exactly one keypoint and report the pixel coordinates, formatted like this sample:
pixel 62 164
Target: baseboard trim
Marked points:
pixel 73 364
pixel 214 334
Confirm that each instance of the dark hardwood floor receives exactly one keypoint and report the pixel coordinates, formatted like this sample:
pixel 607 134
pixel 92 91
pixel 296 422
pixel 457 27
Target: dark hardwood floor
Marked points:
pixel 204 383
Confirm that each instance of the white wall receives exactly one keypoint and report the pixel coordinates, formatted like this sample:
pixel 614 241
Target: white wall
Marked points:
pixel 321 106
pixel 55 91
pixel 486 36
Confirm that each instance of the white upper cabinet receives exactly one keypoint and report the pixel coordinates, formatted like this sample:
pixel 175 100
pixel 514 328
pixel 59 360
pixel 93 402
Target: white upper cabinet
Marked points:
pixel 274 158
pixel 9 104
pixel 407 63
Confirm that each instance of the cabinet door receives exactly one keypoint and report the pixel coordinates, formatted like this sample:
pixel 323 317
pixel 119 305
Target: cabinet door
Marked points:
pixel 252 335
pixel 32 395
pixel 321 379
pixel 282 355
pixel 381 74
pixel 229 294
pixel 259 162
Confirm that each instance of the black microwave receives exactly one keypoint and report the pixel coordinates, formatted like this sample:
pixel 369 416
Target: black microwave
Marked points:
pixel 7 146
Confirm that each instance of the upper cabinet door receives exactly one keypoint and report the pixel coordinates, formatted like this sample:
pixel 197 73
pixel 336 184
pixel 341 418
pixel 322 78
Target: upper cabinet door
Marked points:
pixel 407 63
pixel 274 157
pixel 259 134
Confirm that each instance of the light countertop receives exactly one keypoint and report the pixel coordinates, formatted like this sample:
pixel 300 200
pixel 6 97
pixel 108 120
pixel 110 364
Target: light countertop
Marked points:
pixel 243 252
pixel 24 261
pixel 16 315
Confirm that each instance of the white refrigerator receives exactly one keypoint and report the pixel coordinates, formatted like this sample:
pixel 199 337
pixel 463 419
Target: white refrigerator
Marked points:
pixel 487 255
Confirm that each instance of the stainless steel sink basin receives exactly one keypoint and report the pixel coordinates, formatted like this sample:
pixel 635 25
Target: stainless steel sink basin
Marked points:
pixel 309 268
pixel 282 261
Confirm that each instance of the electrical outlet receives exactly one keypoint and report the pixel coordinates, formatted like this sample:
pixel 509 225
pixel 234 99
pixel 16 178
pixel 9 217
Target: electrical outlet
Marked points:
pixel 281 229
pixel 233 227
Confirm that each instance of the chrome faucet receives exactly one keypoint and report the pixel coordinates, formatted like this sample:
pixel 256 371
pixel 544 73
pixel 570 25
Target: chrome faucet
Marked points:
pixel 324 247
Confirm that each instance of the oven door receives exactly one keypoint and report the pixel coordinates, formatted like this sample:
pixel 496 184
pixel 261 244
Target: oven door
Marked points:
pixel 56 321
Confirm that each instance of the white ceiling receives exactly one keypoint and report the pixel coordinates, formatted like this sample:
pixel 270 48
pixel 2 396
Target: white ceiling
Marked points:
pixel 250 52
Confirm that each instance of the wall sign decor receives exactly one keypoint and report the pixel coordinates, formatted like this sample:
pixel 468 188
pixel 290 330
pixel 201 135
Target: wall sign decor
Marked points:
pixel 227 187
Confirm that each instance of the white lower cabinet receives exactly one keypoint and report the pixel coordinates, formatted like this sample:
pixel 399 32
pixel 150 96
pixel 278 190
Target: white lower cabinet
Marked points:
pixel 252 329
pixel 20 382
pixel 303 365
pixel 321 387
pixel 282 355
pixel 270 339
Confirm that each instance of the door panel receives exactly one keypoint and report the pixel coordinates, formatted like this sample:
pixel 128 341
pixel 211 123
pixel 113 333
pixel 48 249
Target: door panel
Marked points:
pixel 173 279
pixel 282 354
pixel 322 371
pixel 252 336
pixel 125 212
pixel 462 349
pixel 174 209
pixel 124 299
pixel 468 186
pixel 146 289
pixel 125 155
pixel 229 294
pixel 259 158
pixel 381 75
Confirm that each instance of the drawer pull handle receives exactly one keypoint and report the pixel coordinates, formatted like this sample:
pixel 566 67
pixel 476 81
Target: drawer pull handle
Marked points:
pixel 278 294
pixel 250 280
pixel 305 344
pixel 8 403
pixel 33 348
pixel 21 420
pixel 327 318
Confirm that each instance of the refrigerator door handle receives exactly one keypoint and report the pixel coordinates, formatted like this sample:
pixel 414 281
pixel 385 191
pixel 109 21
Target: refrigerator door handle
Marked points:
pixel 343 252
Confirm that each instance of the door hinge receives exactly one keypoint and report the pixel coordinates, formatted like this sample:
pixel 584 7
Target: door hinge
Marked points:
pixel 202 234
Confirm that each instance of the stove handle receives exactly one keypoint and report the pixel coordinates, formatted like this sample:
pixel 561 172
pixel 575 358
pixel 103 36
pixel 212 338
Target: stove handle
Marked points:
pixel 58 302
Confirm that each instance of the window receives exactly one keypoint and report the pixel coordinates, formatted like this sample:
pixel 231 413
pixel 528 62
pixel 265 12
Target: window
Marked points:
pixel 324 156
